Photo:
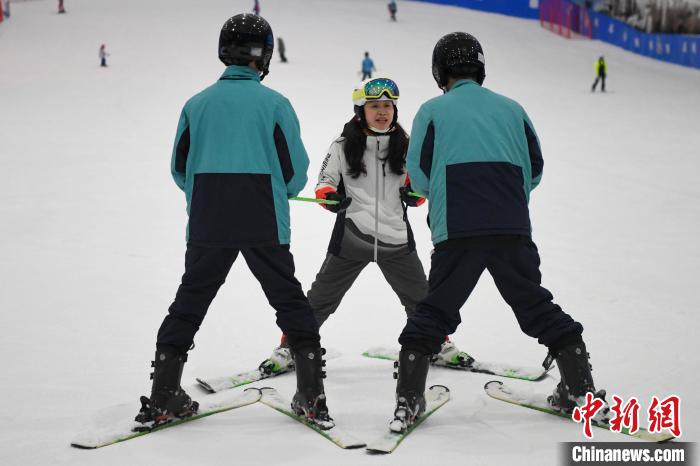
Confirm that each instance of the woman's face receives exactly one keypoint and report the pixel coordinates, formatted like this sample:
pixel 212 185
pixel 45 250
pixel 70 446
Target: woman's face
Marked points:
pixel 379 113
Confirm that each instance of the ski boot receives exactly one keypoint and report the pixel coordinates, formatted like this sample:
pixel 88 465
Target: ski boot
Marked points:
pixel 168 400
pixel 576 381
pixel 310 400
pixel 451 356
pixel 410 389
pixel 279 362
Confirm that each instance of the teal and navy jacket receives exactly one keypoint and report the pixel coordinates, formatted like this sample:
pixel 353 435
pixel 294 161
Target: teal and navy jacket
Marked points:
pixel 239 157
pixel 476 157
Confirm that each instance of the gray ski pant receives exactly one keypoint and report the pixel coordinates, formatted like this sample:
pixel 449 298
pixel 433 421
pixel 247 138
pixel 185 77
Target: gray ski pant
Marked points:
pixel 404 273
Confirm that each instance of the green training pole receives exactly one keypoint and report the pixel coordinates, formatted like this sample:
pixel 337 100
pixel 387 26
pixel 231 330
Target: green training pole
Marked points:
pixel 311 199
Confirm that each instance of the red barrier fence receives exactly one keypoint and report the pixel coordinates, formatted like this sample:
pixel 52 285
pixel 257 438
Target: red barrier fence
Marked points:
pixel 565 18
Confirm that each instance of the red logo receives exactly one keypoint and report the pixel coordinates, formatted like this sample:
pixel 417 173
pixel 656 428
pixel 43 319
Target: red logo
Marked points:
pixel 587 412
pixel 665 414
pixel 627 416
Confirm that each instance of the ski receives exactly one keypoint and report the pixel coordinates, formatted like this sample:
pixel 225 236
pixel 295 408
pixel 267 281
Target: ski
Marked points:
pixel 435 397
pixel 496 389
pixel 471 365
pixel 276 401
pixel 110 427
pixel 217 384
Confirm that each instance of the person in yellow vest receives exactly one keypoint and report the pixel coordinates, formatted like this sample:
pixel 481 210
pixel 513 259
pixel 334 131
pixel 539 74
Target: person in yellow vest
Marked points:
pixel 601 71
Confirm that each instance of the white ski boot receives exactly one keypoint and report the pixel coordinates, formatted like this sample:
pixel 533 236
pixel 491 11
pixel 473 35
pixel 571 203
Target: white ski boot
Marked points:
pixel 451 356
pixel 279 362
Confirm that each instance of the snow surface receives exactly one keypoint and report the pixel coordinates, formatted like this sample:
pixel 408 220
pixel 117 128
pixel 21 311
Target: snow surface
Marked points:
pixel 93 230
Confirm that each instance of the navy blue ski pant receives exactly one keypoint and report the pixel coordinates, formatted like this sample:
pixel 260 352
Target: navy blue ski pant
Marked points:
pixel 205 271
pixel 456 265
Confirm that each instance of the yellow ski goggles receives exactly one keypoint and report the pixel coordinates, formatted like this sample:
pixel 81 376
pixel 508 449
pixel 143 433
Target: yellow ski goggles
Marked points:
pixel 375 89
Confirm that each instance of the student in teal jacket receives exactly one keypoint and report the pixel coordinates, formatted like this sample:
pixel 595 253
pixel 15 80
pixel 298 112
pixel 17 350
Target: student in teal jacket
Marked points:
pixel 238 157
pixel 475 155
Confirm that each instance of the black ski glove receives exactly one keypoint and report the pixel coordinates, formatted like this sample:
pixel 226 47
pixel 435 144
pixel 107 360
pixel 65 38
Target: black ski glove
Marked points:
pixel 343 202
pixel 406 198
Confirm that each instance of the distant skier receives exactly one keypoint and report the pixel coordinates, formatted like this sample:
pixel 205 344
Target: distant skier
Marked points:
pixel 103 55
pixel 392 9
pixel 372 223
pixel 367 67
pixel 238 156
pixel 601 71
pixel 256 7
pixel 476 157
pixel 61 9
pixel 281 49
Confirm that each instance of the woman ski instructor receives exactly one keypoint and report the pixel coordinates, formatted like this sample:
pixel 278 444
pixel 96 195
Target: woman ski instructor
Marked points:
pixel 365 172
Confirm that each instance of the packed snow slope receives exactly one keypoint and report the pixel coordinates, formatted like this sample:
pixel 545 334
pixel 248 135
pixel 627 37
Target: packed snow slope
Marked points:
pixel 92 229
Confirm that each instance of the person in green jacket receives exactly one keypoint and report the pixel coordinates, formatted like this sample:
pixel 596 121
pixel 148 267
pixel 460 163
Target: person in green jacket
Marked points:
pixel 238 157
pixel 476 157
pixel 601 72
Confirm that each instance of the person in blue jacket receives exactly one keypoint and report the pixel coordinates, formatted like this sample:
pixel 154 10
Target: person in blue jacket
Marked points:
pixel 392 9
pixel 367 67
pixel 238 156
pixel 476 157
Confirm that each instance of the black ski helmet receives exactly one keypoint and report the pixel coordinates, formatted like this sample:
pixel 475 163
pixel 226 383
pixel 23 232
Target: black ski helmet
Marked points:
pixel 458 53
pixel 246 38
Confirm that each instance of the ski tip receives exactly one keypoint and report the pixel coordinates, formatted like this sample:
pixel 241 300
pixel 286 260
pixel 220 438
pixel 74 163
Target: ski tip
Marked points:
pixel 82 447
pixel 438 386
pixel 354 446
pixel 669 439
pixel 487 385
pixel 374 451
pixel 205 386
pixel 267 392
pixel 253 390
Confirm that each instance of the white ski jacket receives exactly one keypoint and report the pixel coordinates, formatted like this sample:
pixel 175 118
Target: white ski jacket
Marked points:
pixel 376 209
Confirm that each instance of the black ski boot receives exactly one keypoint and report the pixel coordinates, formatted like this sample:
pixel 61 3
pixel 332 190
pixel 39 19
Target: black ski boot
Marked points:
pixel 310 400
pixel 410 389
pixel 576 380
pixel 168 400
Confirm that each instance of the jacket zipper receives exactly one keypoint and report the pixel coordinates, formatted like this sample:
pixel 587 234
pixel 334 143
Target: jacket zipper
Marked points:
pixel 376 205
pixel 384 180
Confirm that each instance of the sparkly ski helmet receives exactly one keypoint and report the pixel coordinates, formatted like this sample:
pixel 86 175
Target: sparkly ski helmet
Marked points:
pixel 455 54
pixel 247 38
pixel 373 90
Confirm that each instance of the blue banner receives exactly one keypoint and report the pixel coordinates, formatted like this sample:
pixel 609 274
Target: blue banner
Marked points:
pixel 674 48
pixel 520 8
